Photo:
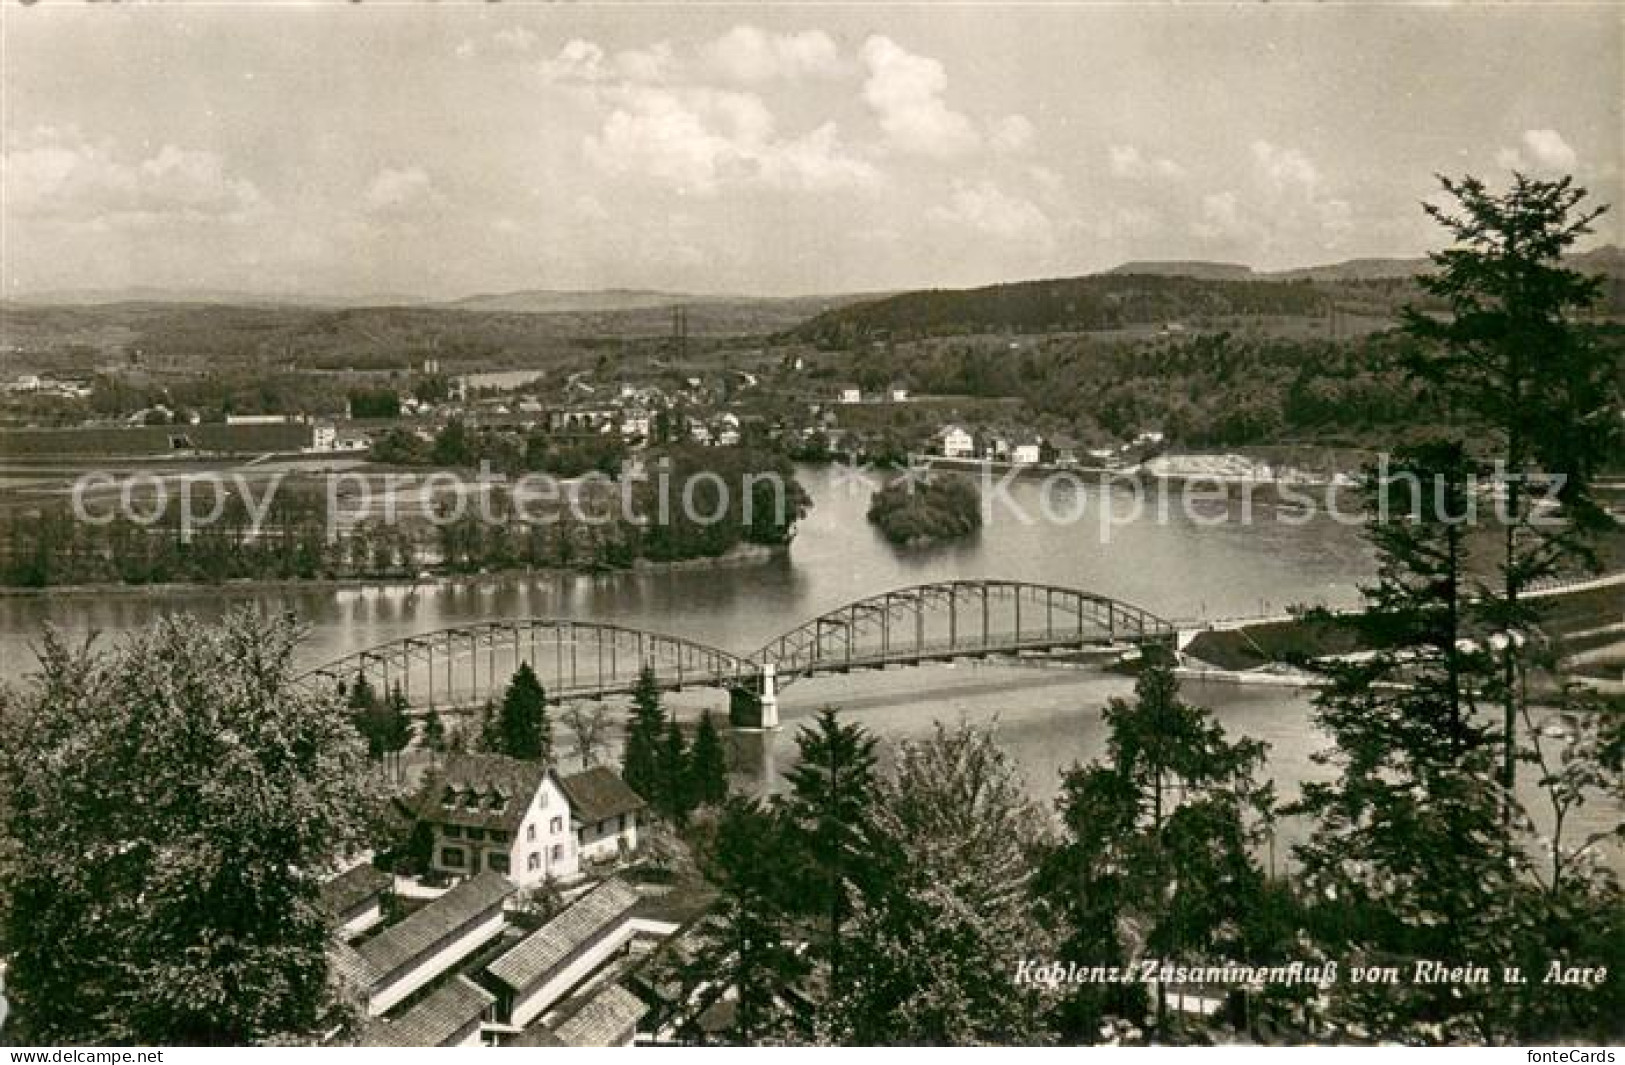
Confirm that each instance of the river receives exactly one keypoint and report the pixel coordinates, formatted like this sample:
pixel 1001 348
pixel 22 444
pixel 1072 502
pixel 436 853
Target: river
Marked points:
pixel 1181 565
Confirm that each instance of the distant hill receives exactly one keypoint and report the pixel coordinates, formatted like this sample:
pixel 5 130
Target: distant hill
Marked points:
pixel 1184 268
pixel 1097 302
pixel 97 297
pixel 1607 259
pixel 551 301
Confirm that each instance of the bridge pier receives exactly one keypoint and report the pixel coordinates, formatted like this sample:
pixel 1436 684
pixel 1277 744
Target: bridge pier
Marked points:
pixel 755 704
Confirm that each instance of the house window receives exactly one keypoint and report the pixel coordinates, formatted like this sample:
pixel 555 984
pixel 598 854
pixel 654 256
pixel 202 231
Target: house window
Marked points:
pixel 498 837
pixel 476 833
pixel 452 831
pixel 620 825
pixel 498 862
pixel 535 862
pixel 558 852
pixel 556 826
pixel 452 856
pixel 530 833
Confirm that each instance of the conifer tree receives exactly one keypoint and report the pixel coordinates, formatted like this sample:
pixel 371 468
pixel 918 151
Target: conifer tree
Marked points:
pixel 1157 837
pixel 829 835
pixel 522 724
pixel 708 762
pixel 1541 388
pixel 645 728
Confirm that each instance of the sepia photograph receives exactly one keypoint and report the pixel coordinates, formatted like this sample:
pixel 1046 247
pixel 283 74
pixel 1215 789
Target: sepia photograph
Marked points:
pixel 967 524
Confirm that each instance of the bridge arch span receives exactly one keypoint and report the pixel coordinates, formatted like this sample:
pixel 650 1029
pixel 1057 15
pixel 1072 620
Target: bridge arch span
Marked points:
pixel 949 619
pixel 465 665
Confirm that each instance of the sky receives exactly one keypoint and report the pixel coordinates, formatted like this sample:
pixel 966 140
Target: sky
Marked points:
pixel 446 149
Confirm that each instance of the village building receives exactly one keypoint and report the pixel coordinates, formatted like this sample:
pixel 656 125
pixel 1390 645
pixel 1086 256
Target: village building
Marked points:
pixel 354 900
pixel 608 1019
pixel 521 819
pixel 955 442
pixel 552 961
pixel 388 967
pixel 604 813
pixel 452 1015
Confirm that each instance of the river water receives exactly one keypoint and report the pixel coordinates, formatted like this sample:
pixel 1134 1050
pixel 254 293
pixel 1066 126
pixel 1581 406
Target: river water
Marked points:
pixel 1179 564
pixel 1190 565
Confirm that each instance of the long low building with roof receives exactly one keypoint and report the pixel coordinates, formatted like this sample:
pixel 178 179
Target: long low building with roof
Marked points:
pixel 452 1015
pixel 406 956
pixel 546 965
pixel 353 900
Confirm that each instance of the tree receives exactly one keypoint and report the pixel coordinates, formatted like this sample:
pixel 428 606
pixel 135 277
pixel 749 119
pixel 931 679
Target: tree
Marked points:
pixel 1155 861
pixel 747 944
pixel 829 835
pixel 1512 354
pixel 177 900
pixel 434 732
pixel 640 756
pixel 675 791
pixel 931 957
pixel 522 724
pixel 395 725
pixel 587 722
pixel 488 730
pixel 708 764
pixel 1407 858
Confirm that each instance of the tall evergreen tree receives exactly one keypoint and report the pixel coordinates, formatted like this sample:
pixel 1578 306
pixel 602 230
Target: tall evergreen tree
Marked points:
pixel 1512 353
pixel 708 762
pixel 645 728
pixel 488 730
pixel 434 732
pixel 748 944
pixel 1407 852
pixel 395 728
pixel 830 836
pixel 676 785
pixel 1158 838
pixel 522 724
pixel 177 900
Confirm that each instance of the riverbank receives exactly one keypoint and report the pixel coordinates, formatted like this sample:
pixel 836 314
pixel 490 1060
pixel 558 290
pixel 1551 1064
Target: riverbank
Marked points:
pixel 737 557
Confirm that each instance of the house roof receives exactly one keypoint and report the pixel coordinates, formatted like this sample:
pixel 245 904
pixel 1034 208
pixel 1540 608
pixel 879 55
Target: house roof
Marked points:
pixel 604 1020
pixel 487 791
pixel 598 794
pixel 402 942
pixel 546 950
pixel 354 886
pixel 433 1022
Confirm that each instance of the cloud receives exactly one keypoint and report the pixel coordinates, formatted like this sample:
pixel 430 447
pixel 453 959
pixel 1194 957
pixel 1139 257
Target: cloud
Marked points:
pixel 398 190
pixel 988 210
pixel 58 174
pixel 748 54
pixel 584 62
pixel 1286 207
pixel 1541 151
pixel 515 39
pixel 904 91
pixel 698 140
pixel 1285 169
pixel 1126 161
pixel 1220 218
pixel 1012 133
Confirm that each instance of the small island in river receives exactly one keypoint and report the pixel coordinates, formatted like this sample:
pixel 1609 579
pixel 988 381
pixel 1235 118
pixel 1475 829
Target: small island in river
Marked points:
pixel 912 511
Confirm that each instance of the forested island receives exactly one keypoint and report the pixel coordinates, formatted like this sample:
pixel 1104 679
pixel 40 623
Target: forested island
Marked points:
pixel 913 511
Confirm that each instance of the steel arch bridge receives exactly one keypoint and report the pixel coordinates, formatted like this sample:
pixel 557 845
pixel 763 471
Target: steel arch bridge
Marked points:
pixel 953 619
pixel 464 666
